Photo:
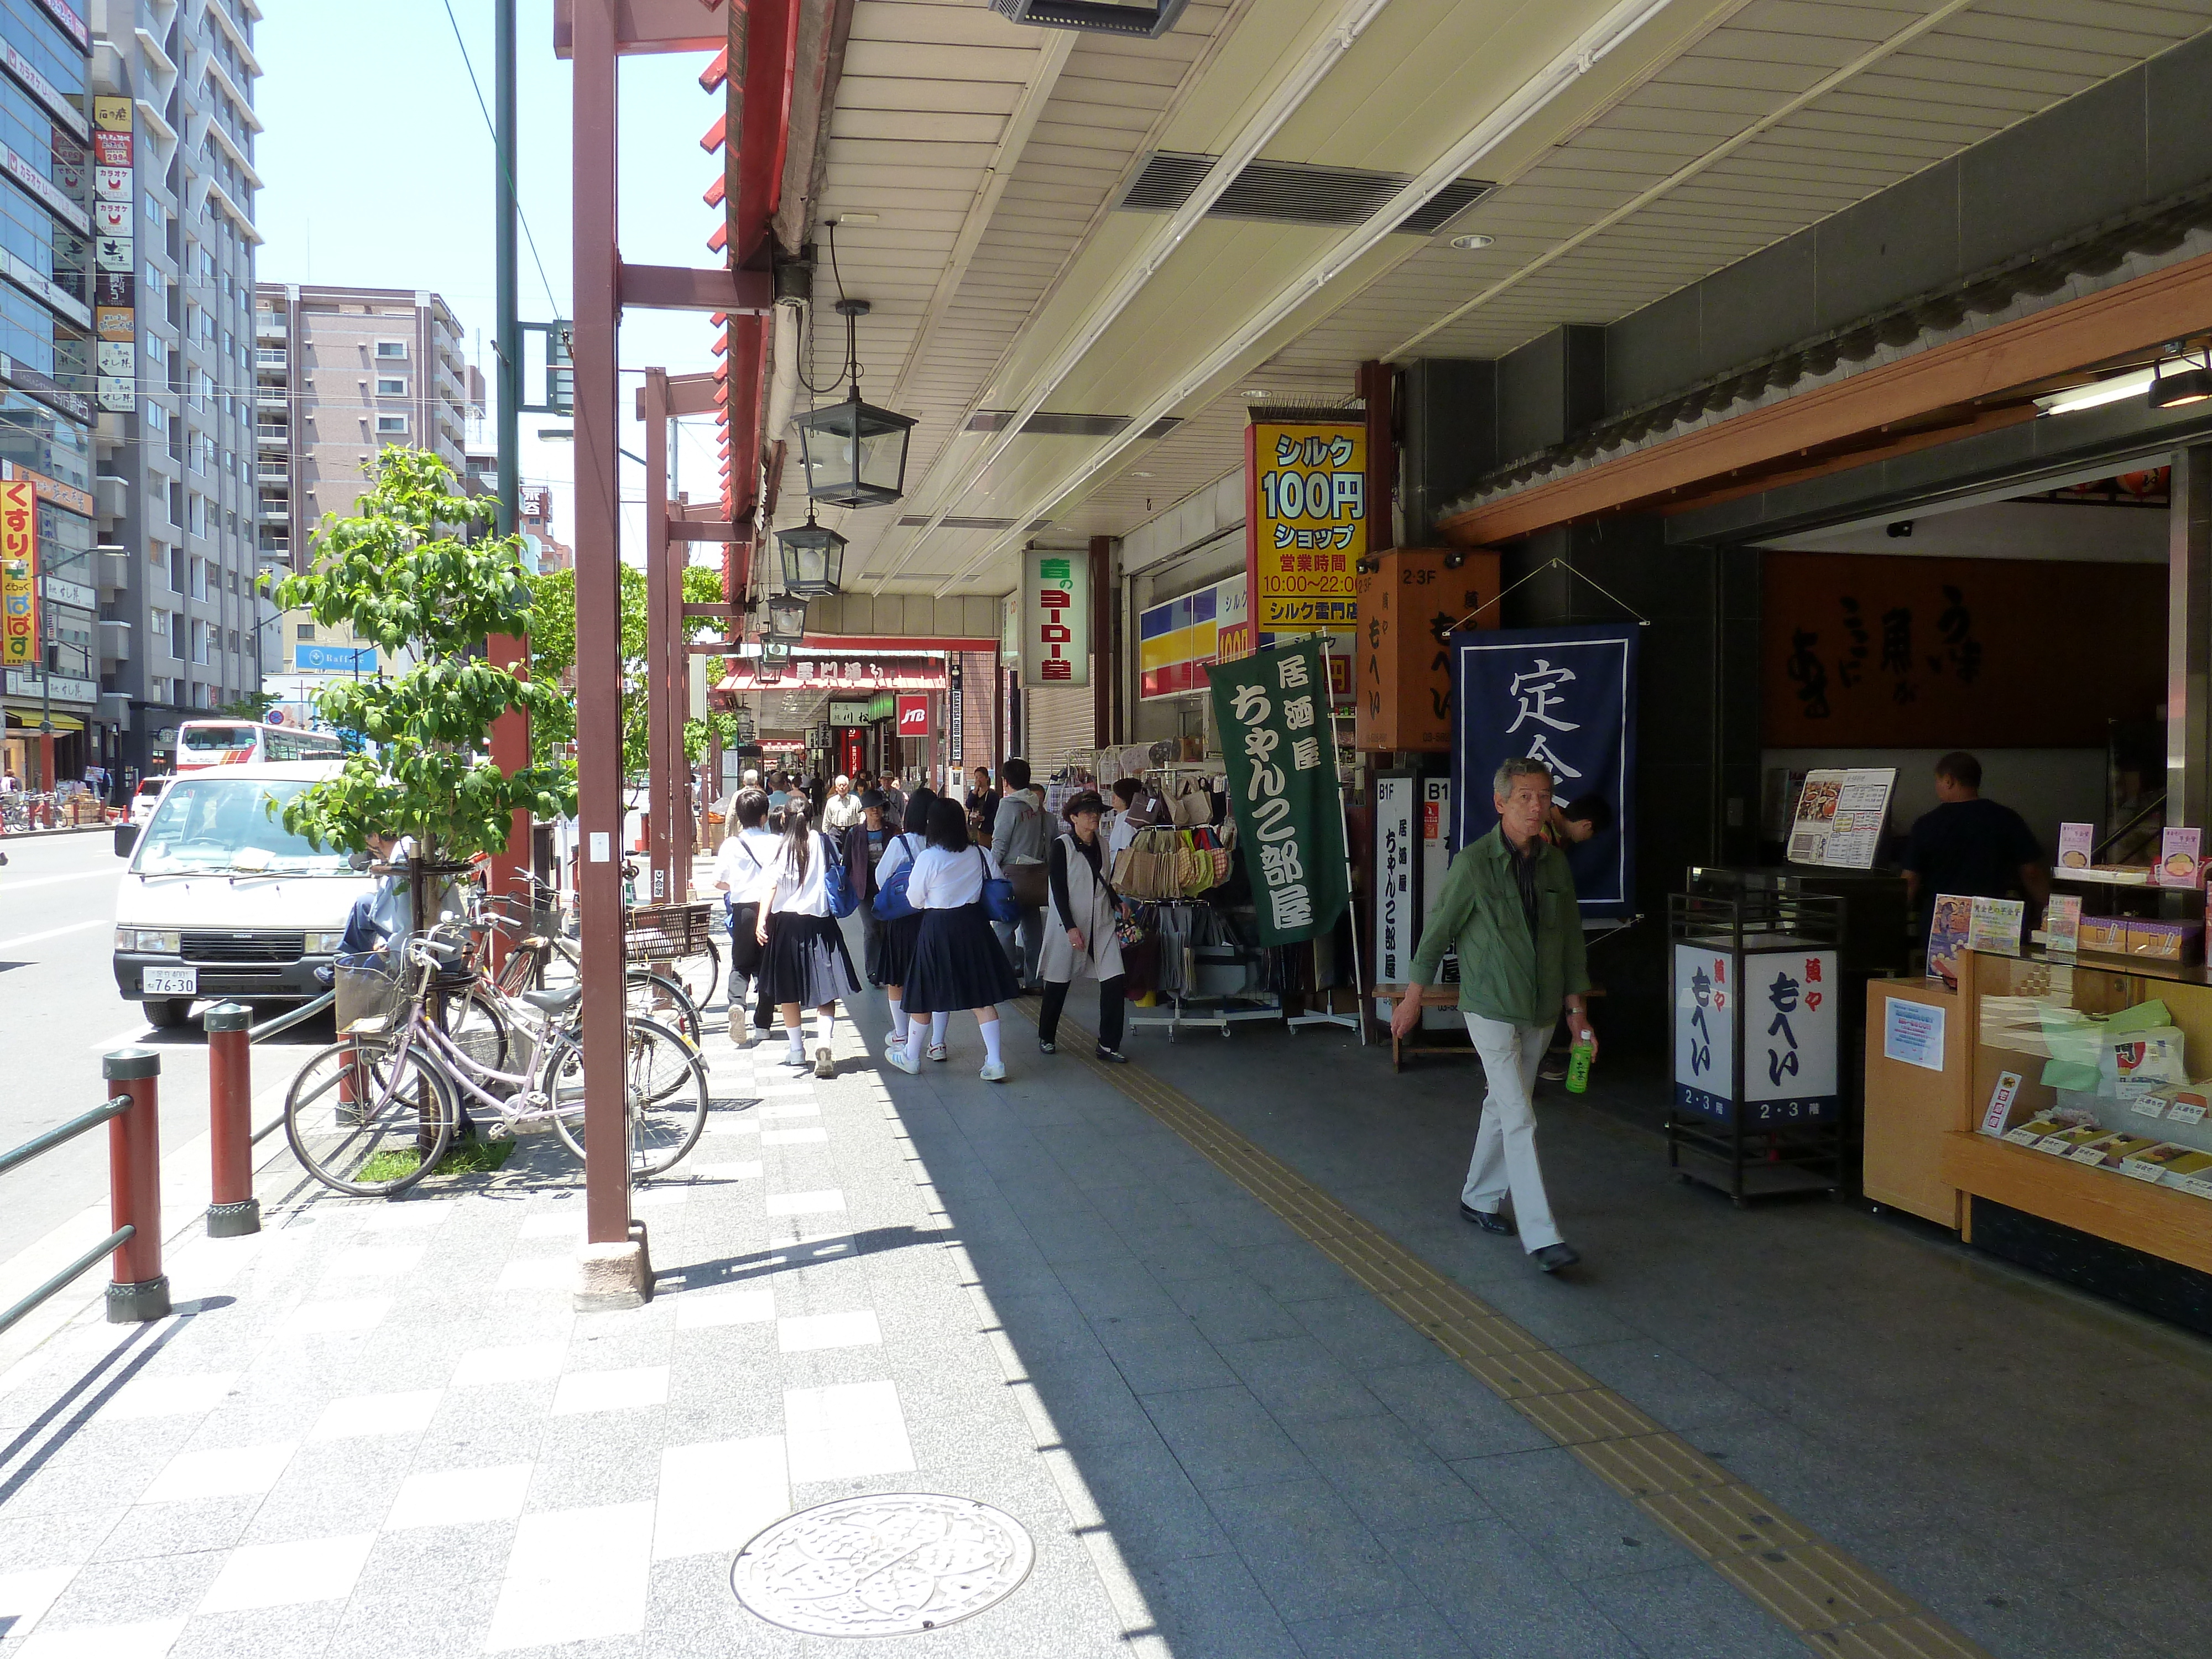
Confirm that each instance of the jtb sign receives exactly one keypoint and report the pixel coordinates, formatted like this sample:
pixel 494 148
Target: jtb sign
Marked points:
pixel 914 716
pixel 1565 696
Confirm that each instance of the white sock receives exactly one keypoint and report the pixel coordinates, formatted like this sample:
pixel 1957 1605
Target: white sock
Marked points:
pixel 917 1033
pixel 991 1041
pixel 898 1017
pixel 937 1024
pixel 829 1018
pixel 797 1042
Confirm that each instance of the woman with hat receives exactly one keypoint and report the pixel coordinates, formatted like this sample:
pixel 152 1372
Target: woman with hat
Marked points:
pixel 1079 935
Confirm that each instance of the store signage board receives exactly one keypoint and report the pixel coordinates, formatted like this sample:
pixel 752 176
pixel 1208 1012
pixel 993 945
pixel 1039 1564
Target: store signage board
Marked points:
pixel 1912 1033
pixel 2062 924
pixel 1436 858
pixel 1396 849
pixel 1994 925
pixel 2180 859
pixel 1565 698
pixel 19 574
pixel 849 713
pixel 1704 1031
pixel 1305 517
pixel 1055 592
pixel 914 716
pixel 1276 739
pixel 952 715
pixel 2000 1107
pixel 1178 639
pixel 2077 845
pixel 338 659
pixel 1837 821
pixel 1789 1037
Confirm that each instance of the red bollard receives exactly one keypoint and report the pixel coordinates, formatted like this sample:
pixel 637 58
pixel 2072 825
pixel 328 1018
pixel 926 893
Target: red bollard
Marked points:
pixel 141 1289
pixel 233 1210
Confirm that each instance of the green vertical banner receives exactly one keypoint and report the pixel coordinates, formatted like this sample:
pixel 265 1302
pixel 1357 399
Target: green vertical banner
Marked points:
pixel 1273 711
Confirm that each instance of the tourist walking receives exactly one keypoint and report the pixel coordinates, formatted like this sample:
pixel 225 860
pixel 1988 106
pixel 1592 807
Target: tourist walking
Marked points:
pixel 1018 843
pixel 1080 940
pixel 803 962
pixel 842 810
pixel 895 949
pixel 739 866
pixel 958 963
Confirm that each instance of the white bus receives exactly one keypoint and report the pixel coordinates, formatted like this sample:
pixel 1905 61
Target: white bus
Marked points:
pixel 241 743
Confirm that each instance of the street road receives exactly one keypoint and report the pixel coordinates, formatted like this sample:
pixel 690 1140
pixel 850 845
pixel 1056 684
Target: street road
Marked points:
pixel 59 1012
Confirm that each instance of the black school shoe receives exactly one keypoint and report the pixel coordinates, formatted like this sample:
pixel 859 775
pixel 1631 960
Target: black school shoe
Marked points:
pixel 1112 1056
pixel 1552 1257
pixel 1490 1221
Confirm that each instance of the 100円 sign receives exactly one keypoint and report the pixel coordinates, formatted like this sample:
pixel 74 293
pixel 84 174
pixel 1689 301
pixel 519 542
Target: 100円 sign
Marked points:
pixel 1306 486
pixel 1272 713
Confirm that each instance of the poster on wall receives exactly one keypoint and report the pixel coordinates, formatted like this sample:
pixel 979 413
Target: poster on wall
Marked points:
pixel 1837 821
pixel 1305 519
pixel 1272 713
pixel 1565 696
pixel 1055 601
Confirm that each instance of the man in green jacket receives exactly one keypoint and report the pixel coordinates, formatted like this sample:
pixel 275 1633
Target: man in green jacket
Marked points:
pixel 1508 904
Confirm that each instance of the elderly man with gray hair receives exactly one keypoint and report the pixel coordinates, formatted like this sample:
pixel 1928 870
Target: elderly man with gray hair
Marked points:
pixel 1509 903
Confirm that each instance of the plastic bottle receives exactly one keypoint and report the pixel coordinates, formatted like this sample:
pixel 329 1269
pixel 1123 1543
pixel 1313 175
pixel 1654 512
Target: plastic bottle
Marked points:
pixel 1578 1068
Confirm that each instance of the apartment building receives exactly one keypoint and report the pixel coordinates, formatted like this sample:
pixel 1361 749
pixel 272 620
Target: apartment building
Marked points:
pixel 53 726
pixel 339 373
pixel 181 628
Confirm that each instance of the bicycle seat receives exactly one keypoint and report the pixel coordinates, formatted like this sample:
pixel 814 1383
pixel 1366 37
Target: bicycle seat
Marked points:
pixel 554 1002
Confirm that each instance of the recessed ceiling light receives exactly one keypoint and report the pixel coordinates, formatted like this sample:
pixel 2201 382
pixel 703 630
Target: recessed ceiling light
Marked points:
pixel 858 218
pixel 1472 242
pixel 1140 474
pixel 1254 392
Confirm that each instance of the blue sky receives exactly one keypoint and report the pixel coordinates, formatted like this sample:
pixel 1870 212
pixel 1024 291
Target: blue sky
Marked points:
pixel 379 171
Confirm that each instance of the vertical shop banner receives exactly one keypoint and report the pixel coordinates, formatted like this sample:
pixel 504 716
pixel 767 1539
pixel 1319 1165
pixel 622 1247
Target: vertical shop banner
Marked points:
pixel 1789 1037
pixel 115 318
pixel 1565 696
pixel 1306 501
pixel 1055 597
pixel 952 712
pixel 1277 737
pixel 1397 849
pixel 1704 1031
pixel 19 574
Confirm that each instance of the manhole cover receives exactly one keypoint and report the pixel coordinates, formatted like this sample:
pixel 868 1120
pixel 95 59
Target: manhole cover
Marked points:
pixel 889 1565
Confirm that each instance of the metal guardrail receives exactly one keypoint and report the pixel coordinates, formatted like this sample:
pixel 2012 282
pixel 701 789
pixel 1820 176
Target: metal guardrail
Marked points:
pixel 139 1290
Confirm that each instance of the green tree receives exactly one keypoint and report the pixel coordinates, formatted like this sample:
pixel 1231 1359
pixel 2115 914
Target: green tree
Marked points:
pixel 553 652
pixel 404 574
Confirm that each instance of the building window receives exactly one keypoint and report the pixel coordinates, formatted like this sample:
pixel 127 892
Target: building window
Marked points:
pixel 199 638
pixel 199 576
pixel 176 569
pixel 233 641
pixel 157 690
pixel 392 349
pixel 391 424
pixel 306 633
pixel 177 635
pixel 391 386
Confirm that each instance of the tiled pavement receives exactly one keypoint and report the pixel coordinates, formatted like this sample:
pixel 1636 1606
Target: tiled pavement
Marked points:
pixel 379 1428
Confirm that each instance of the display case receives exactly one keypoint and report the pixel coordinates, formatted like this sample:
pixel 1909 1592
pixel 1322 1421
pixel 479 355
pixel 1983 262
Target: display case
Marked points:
pixel 2054 1175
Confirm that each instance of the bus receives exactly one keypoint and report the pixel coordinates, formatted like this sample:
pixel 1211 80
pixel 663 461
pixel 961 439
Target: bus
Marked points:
pixel 240 743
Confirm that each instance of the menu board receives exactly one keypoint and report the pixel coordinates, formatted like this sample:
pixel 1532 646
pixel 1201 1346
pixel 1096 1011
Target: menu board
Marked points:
pixel 1839 816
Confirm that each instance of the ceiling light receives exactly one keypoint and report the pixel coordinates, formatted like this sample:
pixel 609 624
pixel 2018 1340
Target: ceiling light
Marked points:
pixel 1474 242
pixel 2094 394
pixel 2178 390
pixel 1140 474
pixel 1254 392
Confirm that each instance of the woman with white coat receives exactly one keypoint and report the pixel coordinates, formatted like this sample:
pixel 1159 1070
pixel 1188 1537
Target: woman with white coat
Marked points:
pixel 1080 941
pixel 803 961
pixel 958 962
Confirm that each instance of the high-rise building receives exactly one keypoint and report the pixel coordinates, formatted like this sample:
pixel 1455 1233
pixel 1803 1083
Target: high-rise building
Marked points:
pixel 55 723
pixel 182 630
pixel 340 372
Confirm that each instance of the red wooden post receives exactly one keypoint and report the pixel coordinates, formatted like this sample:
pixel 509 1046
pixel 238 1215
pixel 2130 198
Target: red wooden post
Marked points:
pixel 140 1290
pixel 233 1210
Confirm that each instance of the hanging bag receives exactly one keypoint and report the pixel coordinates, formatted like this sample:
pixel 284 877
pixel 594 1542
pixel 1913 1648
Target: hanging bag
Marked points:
pixel 890 897
pixel 836 880
pixel 999 901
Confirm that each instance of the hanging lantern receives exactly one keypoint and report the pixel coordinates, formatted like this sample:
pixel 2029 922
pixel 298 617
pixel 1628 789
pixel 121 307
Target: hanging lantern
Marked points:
pixel 854 455
pixel 813 558
pixel 787 617
pixel 744 725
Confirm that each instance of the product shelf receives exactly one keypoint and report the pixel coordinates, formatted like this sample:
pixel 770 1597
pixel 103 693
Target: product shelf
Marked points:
pixel 2157 1219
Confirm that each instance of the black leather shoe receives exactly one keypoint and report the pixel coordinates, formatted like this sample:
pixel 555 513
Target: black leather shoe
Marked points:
pixel 1490 1221
pixel 1112 1056
pixel 1552 1257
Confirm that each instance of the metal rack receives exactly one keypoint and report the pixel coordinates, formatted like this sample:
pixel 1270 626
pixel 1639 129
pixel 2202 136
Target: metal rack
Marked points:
pixel 1758 1106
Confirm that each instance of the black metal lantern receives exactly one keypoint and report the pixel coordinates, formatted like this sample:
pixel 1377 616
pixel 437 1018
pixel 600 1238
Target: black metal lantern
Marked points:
pixel 813 558
pixel 787 617
pixel 853 453
pixel 745 733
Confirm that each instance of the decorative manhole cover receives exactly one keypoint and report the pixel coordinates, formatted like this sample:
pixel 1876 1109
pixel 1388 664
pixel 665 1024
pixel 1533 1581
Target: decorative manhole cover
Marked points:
pixel 891 1564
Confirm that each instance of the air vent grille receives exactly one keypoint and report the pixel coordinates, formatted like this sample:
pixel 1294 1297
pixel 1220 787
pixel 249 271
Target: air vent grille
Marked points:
pixel 1048 424
pixel 1094 16
pixel 1287 193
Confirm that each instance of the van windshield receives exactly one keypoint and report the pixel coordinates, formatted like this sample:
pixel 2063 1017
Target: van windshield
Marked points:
pixel 230 826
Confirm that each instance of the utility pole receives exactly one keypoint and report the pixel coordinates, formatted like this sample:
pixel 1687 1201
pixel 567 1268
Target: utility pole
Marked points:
pixel 510 733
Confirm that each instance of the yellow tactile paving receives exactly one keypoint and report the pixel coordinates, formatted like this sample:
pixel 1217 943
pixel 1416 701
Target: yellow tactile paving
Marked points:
pixel 1831 1602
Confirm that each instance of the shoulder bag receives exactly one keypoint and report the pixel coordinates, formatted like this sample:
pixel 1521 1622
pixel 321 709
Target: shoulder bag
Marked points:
pixel 890 897
pixel 999 901
pixel 836 879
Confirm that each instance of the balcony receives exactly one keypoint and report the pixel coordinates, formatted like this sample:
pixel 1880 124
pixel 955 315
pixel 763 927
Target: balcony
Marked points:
pixel 269 397
pixel 272 437
pixel 275 510
pixel 111 572
pixel 267 474
pixel 269 325
pixel 269 362
pixel 111 496
pixel 114 641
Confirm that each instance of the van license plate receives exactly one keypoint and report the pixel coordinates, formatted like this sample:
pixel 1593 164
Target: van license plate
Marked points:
pixel 170 981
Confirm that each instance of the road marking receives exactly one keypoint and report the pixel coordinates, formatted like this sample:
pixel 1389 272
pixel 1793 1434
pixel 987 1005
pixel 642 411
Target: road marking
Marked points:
pixel 1830 1602
pixel 8 944
pixel 49 881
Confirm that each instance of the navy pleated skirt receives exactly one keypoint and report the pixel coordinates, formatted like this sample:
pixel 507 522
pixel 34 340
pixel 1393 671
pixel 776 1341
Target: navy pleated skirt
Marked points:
pixel 958 963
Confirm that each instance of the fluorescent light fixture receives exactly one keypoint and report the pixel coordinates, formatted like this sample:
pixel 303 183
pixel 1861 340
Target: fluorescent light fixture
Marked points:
pixel 2094 394
pixel 1470 243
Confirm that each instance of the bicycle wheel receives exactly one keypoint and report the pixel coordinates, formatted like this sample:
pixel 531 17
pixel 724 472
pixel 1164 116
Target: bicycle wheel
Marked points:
pixel 698 973
pixel 658 997
pixel 479 1030
pixel 664 1089
pixel 367 1120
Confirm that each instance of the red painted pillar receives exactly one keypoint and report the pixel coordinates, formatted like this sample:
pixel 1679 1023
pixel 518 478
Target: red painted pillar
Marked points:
pixel 233 1210
pixel 510 752
pixel 140 1290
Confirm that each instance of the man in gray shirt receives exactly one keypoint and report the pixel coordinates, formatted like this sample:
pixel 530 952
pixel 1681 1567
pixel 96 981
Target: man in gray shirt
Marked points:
pixel 1018 839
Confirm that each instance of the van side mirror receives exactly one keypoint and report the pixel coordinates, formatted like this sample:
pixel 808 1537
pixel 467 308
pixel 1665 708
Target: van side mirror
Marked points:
pixel 126 839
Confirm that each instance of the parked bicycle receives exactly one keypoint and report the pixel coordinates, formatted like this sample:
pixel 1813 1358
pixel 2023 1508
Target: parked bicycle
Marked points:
pixel 373 1113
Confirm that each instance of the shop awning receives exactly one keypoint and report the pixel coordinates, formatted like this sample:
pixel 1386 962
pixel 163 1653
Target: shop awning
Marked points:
pixel 21 719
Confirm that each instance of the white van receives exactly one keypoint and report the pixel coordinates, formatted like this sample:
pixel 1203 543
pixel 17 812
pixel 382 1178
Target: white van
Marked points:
pixel 221 900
